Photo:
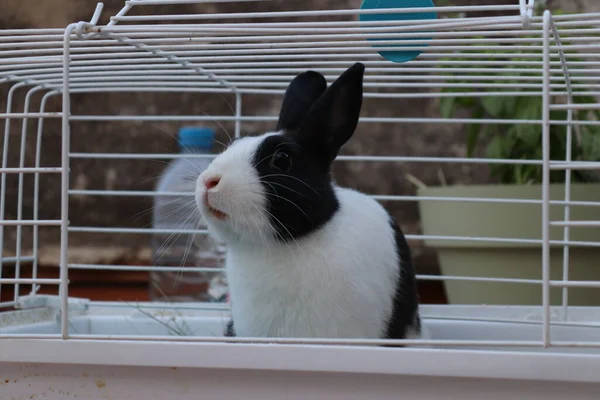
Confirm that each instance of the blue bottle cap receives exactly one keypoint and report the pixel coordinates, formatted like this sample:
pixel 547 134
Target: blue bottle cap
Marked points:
pixel 196 137
pixel 399 56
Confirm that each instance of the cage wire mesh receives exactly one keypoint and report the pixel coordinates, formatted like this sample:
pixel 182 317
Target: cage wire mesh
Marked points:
pixel 485 52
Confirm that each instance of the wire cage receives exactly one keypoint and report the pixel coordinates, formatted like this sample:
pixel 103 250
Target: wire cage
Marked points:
pixel 59 346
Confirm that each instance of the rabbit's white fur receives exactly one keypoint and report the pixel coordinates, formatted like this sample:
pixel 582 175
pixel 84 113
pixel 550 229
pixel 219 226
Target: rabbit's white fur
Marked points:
pixel 338 281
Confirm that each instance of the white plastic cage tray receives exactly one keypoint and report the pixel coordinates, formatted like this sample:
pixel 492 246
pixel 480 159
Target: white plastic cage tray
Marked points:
pixel 117 367
pixel 512 328
pixel 501 324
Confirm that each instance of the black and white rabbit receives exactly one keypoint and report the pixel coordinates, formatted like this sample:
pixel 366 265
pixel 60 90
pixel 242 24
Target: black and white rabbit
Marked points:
pixel 306 258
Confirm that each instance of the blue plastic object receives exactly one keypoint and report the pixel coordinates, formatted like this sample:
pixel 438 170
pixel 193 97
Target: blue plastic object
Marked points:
pixel 397 56
pixel 196 137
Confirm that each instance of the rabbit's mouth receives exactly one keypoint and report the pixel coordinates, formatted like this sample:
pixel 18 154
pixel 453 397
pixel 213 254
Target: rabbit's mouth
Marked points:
pixel 218 214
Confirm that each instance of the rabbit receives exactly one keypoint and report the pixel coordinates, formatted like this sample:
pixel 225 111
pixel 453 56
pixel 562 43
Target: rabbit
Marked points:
pixel 307 258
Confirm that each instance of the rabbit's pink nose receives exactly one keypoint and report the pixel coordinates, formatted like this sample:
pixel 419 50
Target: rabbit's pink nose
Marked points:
pixel 212 182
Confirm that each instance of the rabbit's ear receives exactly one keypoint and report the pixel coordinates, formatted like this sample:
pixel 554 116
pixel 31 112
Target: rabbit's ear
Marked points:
pixel 301 93
pixel 333 117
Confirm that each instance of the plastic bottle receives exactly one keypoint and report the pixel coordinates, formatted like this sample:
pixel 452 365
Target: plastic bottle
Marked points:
pixel 179 213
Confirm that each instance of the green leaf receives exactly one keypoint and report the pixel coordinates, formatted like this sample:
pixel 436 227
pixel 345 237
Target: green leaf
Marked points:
pixel 496 148
pixel 590 138
pixel 510 106
pixel 472 136
pixel 528 108
pixel 522 141
pixel 583 99
pixel 559 115
pixel 447 107
pixel 530 135
pixel 473 131
pixel 493 105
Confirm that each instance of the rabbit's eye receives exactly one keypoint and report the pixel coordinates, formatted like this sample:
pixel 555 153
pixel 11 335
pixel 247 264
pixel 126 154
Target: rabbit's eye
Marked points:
pixel 281 161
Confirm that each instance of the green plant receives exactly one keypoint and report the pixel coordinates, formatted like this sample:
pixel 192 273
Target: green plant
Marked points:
pixel 523 140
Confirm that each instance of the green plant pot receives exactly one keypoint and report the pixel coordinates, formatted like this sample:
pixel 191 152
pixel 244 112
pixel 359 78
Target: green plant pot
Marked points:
pixel 510 260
